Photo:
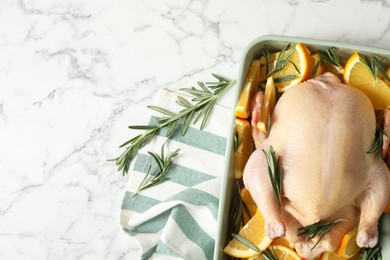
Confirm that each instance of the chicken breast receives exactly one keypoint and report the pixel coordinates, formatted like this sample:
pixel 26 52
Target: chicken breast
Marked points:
pixel 322 130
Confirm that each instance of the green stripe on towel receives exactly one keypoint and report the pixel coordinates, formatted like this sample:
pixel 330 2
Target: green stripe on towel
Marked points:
pixel 178 174
pixel 138 203
pixel 199 198
pixel 153 225
pixel 165 250
pixel 193 231
pixel 210 142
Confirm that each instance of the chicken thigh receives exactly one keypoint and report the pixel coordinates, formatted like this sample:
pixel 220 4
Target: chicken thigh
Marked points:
pixel 322 130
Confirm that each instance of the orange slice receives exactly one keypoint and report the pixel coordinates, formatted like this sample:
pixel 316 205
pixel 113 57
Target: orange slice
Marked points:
pixel 272 57
pixel 358 75
pixel 281 241
pixel 254 231
pixel 315 66
pixel 297 67
pixel 249 202
pixel 348 246
pixel 245 146
pixel 330 256
pixel 336 70
pixel 281 253
pixel 267 106
pixel 248 90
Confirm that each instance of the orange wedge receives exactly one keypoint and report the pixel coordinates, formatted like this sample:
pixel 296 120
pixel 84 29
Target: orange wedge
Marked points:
pixel 297 67
pixel 267 106
pixel 358 75
pixel 249 202
pixel 281 241
pixel 254 231
pixel 315 66
pixel 348 246
pixel 331 256
pixel 248 90
pixel 388 74
pixel 281 253
pixel 272 57
pixel 336 70
pixel 245 146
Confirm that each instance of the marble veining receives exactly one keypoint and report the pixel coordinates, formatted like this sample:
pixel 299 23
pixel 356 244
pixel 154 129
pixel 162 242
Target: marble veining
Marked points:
pixel 74 74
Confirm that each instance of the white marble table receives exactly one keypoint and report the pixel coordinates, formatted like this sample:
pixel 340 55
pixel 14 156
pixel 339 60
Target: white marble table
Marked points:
pixel 74 74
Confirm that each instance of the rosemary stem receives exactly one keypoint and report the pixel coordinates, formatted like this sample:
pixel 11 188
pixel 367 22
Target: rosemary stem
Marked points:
pixel 195 107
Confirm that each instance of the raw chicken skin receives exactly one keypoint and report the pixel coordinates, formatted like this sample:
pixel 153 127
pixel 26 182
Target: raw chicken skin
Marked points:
pixel 322 130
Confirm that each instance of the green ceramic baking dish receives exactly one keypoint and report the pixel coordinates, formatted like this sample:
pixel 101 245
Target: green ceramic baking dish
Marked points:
pixel 273 42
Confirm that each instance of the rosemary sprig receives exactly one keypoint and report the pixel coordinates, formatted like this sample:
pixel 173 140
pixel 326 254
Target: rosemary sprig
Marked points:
pixel 311 231
pixel 269 254
pixel 236 143
pixel 246 242
pixel 316 67
pixel 331 56
pixel 376 148
pixel 205 99
pixel 275 173
pixel 164 164
pixel 238 209
pixel 374 253
pixel 374 66
pixel 284 78
pixel 280 62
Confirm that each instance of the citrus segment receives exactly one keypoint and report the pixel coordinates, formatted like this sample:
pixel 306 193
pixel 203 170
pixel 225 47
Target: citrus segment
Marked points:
pixel 315 66
pixel 331 256
pixel 358 75
pixel 336 70
pixel 249 202
pixel 248 90
pixel 281 241
pixel 267 107
pixel 245 146
pixel 254 231
pixel 297 68
pixel 281 253
pixel 348 246
pixel 271 58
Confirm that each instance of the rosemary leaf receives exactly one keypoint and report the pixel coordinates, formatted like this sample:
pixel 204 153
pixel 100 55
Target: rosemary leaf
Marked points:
pixel 162 110
pixel 205 98
pixel 238 208
pixel 235 140
pixel 269 254
pixel 331 56
pixel 246 242
pixel 281 61
pixel 374 253
pixel 295 66
pixel 203 86
pixel 376 149
pixel 187 122
pixel 142 127
pixel 275 173
pixel 316 67
pixel 164 165
pixel 284 78
pixel 311 231
pixel 374 66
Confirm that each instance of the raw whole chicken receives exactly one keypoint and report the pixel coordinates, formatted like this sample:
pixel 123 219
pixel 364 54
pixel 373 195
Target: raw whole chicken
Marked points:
pixel 322 130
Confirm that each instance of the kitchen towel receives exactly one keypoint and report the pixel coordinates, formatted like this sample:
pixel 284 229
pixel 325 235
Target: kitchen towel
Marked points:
pixel 177 219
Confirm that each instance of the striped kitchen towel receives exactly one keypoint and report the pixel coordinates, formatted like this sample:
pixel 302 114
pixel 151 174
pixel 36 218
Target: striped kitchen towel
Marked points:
pixel 177 219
